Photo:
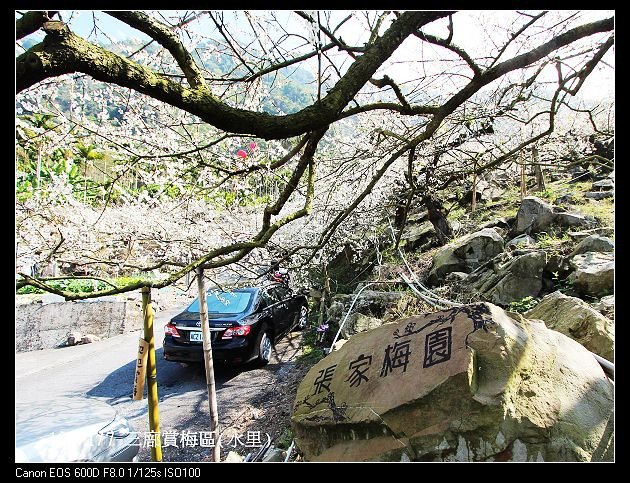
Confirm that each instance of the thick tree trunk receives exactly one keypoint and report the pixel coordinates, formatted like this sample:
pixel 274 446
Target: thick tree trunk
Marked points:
pixel 540 176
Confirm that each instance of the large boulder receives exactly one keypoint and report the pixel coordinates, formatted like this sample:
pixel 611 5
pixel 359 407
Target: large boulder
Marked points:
pixel 606 306
pixel 570 220
pixel 473 383
pixel 416 235
pixel 605 184
pixel 465 254
pixel 372 303
pixel 533 215
pixel 594 243
pixel 578 320
pixel 594 273
pixel 510 279
pixel 357 322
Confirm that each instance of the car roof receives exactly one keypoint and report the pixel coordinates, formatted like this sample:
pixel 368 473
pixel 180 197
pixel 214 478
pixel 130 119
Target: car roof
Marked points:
pixel 238 289
pixel 254 289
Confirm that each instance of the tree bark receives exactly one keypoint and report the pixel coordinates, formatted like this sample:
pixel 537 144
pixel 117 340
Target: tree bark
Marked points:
pixel 540 176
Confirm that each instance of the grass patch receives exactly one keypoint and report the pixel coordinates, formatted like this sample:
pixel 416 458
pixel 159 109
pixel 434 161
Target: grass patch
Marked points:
pixel 311 354
pixel 81 285
pixel 523 305
pixel 552 240
pixel 285 440
pixel 311 351
pixel 601 210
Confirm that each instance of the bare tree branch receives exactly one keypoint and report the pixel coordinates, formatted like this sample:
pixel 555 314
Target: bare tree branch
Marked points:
pixel 64 52
pixel 168 39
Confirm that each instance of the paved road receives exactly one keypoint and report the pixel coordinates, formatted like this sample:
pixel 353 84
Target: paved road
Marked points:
pixel 105 369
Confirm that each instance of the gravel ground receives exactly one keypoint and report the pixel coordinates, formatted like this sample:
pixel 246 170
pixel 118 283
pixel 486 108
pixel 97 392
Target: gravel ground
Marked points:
pixel 249 399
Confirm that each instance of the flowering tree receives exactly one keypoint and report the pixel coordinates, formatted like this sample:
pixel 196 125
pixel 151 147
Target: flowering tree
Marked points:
pixel 205 108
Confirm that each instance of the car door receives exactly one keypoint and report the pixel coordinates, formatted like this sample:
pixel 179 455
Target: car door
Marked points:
pixel 272 309
pixel 282 314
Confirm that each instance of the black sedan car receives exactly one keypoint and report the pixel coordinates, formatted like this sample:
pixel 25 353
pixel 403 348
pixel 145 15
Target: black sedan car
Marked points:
pixel 244 324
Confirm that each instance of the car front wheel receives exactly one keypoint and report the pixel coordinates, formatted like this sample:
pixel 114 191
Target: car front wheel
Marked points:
pixel 264 348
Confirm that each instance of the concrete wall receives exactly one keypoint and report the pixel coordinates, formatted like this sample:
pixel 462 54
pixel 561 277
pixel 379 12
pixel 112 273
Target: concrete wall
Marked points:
pixel 44 321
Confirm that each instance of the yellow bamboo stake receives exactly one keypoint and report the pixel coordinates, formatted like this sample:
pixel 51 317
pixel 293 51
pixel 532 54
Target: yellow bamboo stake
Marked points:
pixel 207 357
pixel 152 391
pixel 141 370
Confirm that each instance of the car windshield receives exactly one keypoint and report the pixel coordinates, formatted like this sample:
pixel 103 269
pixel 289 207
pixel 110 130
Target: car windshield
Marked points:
pixel 224 302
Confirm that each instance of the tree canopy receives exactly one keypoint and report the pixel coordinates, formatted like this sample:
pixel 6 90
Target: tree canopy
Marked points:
pixel 381 96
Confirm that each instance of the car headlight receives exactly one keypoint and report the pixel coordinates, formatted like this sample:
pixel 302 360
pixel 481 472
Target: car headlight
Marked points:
pixel 118 428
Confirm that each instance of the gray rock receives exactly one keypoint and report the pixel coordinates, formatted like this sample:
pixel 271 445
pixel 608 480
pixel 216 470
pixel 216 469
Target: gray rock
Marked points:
pixel 74 338
pixel 606 306
pixel 598 195
pixel 594 273
pixel 594 243
pixel 371 303
pixel 357 322
pixel 414 236
pixel 573 219
pixel 507 388
pixel 51 298
pixel 603 185
pixel 414 218
pixel 566 199
pixel 604 231
pixel 465 254
pixel 534 215
pixel 513 279
pixel 89 338
pixel 576 319
pixel 496 223
pixel 456 277
pixel 525 240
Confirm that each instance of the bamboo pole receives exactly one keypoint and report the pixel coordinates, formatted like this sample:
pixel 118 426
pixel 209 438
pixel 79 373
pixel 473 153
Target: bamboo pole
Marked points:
pixel 152 391
pixel 141 370
pixel 207 357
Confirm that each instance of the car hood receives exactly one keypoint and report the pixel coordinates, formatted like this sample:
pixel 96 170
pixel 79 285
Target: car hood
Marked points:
pixel 43 422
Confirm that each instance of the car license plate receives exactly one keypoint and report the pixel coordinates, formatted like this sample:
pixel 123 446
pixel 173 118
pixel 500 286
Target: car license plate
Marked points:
pixel 196 336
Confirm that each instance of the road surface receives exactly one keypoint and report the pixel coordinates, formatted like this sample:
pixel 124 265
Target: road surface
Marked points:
pixel 105 370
